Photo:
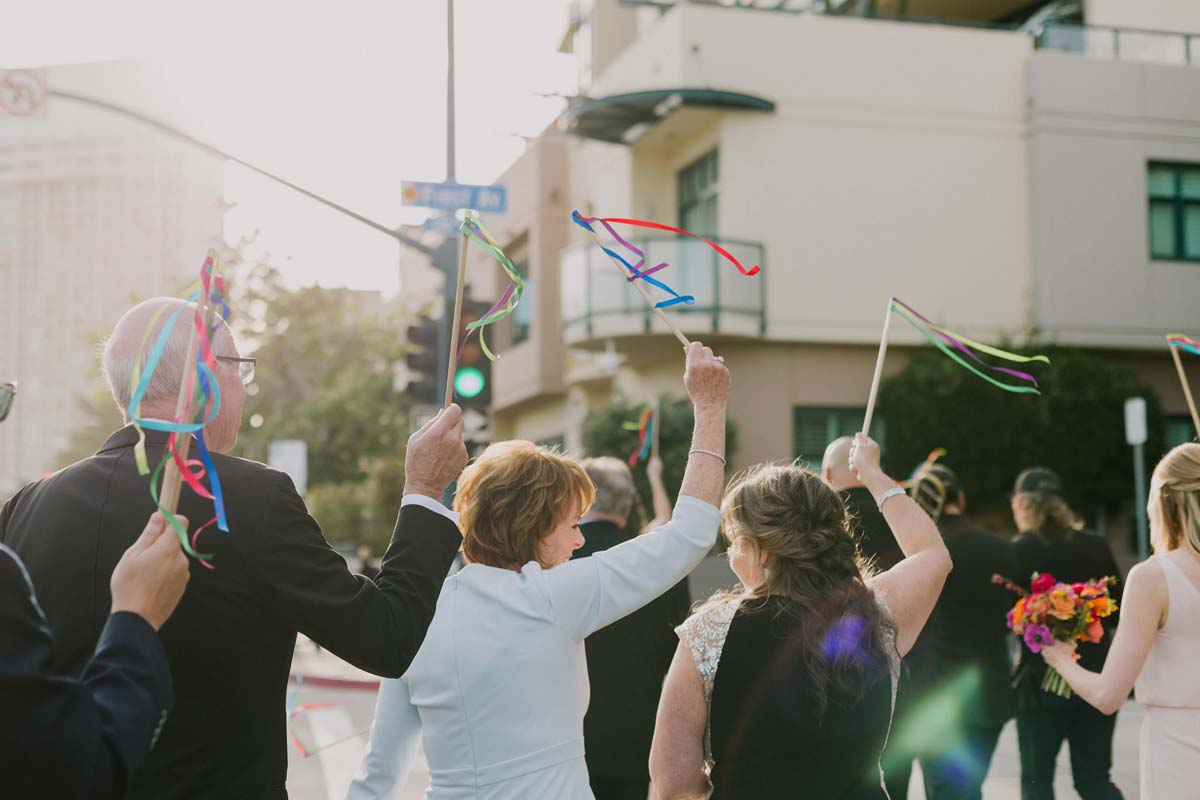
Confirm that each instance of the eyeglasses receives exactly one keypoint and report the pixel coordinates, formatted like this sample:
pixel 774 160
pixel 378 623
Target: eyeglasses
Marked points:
pixel 8 391
pixel 245 367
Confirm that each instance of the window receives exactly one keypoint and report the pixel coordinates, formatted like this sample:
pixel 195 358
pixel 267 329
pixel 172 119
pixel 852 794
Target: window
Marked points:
pixel 813 428
pixel 697 196
pixel 1174 191
pixel 522 316
pixel 1179 429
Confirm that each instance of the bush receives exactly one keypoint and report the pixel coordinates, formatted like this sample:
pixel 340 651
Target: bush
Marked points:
pixel 1075 427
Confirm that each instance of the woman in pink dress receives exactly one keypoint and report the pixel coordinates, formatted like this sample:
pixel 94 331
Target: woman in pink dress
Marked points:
pixel 1157 644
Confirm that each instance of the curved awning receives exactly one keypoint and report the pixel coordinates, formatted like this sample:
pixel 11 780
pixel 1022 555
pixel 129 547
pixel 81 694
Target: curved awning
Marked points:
pixel 623 118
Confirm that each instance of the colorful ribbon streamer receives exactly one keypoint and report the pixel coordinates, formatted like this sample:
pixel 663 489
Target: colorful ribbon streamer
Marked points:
pixel 645 428
pixel 1185 343
pixel 934 333
pixel 929 461
pixel 635 271
pixel 512 295
pixel 202 386
pixel 660 227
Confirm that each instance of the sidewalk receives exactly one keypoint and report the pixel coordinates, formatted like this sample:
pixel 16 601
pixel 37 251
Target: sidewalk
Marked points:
pixel 338 736
pixel 312 666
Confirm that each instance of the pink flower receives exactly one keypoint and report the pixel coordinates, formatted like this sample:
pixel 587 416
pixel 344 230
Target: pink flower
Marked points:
pixel 1095 631
pixel 1042 582
pixel 1037 637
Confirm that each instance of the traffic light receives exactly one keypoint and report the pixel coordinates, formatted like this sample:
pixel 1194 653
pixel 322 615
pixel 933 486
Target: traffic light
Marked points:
pixel 422 361
pixel 473 374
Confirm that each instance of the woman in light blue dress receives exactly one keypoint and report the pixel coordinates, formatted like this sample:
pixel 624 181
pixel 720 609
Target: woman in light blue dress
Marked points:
pixel 498 691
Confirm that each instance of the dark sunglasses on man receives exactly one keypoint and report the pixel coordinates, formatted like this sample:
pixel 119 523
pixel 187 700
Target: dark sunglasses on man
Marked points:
pixel 8 391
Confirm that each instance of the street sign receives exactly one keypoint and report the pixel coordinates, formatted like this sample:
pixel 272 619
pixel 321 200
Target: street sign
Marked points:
pixel 22 92
pixel 290 456
pixel 446 226
pixel 453 196
pixel 1135 421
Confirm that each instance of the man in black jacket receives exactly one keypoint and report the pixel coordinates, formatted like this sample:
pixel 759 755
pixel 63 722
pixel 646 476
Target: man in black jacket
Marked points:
pixel 231 639
pixel 1053 541
pixel 961 671
pixel 628 659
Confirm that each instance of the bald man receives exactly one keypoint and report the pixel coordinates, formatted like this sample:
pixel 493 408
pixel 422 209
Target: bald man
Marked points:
pixel 230 642
pixel 875 538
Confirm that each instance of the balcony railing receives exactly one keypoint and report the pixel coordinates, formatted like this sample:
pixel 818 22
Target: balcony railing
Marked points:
pixel 598 302
pixel 1121 44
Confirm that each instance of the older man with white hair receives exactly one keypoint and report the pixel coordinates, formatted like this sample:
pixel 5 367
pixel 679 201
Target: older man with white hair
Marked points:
pixel 230 641
pixel 627 660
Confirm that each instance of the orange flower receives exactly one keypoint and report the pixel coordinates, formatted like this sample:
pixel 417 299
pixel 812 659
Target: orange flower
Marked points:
pixel 1036 606
pixel 1095 631
pixel 1102 606
pixel 1062 603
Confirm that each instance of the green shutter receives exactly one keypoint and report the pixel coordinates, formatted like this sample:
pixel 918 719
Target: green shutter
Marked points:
pixel 1191 231
pixel 1189 183
pixel 1161 181
pixel 1162 229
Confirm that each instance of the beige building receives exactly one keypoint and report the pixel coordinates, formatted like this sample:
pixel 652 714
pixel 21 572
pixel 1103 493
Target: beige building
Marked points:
pixel 95 213
pixel 997 179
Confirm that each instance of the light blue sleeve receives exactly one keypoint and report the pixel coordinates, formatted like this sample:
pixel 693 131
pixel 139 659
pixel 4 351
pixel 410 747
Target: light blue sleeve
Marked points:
pixel 592 592
pixel 395 734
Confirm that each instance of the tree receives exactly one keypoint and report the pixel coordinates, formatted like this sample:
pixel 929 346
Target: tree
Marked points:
pixel 1075 426
pixel 604 435
pixel 325 374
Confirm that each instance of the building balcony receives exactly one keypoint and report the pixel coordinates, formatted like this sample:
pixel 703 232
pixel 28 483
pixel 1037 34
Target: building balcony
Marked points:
pixel 1121 44
pixel 598 302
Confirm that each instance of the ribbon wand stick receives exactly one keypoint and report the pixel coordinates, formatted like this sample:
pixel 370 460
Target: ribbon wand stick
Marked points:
pixel 883 342
pixel 1187 391
pixel 458 302
pixel 172 478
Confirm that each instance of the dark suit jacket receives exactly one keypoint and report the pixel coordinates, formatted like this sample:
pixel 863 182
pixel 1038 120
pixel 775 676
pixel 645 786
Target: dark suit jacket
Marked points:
pixel 1073 556
pixel 875 539
pixel 231 639
pixel 965 642
pixel 627 662
pixel 64 737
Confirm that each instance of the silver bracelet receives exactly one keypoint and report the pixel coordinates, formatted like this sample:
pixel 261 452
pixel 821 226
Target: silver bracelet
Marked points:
pixel 885 496
pixel 707 453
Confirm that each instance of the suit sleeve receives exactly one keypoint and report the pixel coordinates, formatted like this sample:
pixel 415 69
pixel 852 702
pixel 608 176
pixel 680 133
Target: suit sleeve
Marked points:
pixel 76 737
pixel 378 625
pixel 395 734
pixel 592 592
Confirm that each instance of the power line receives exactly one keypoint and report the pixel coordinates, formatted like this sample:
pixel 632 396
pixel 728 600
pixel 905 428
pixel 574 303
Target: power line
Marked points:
pixel 178 134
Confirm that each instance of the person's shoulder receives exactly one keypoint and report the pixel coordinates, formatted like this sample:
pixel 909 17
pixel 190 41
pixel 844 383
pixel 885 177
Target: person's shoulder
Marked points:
pixel 718 609
pixel 246 474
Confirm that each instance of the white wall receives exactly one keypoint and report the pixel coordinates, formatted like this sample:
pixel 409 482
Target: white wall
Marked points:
pixel 895 163
pixel 1155 15
pixel 1095 125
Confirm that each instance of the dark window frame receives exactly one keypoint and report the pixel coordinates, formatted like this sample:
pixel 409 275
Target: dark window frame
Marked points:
pixel 1178 205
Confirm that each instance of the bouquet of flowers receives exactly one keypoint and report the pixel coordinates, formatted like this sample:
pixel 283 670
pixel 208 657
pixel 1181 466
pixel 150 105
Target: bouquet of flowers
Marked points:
pixel 1065 612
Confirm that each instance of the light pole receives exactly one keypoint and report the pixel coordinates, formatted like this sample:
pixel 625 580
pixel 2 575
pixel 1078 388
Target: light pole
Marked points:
pixel 1135 435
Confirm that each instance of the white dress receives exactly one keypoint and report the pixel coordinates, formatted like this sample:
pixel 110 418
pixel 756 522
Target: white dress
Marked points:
pixel 1167 687
pixel 499 688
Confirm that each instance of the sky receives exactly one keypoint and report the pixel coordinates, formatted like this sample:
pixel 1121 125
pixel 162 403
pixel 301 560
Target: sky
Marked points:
pixel 344 98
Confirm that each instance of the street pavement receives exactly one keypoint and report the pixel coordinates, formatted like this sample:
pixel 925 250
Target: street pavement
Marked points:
pixel 328 741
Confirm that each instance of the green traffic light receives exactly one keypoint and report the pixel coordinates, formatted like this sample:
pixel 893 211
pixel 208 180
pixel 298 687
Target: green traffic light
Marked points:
pixel 468 382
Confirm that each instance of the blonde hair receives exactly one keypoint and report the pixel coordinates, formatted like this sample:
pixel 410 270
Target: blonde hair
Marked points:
pixel 1174 504
pixel 1049 515
pixel 789 513
pixel 512 496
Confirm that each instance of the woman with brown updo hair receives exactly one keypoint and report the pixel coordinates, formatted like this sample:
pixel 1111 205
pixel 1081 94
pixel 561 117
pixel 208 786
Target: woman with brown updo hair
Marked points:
pixel 1157 644
pixel 785 687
